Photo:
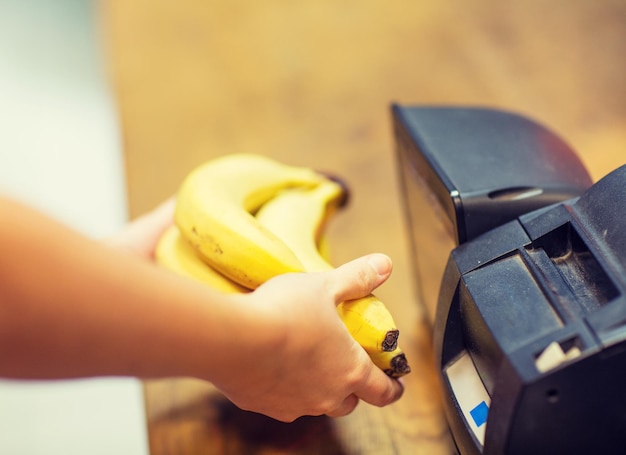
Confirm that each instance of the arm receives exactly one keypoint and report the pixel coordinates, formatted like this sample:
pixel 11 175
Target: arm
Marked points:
pixel 73 307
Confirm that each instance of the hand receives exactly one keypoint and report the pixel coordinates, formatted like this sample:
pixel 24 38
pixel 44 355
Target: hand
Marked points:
pixel 314 366
pixel 142 234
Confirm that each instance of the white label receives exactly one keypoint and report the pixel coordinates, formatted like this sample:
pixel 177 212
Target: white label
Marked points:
pixel 470 394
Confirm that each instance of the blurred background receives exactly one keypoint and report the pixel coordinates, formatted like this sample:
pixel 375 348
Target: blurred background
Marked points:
pixel 307 81
pixel 60 151
pixel 143 91
pixel 311 83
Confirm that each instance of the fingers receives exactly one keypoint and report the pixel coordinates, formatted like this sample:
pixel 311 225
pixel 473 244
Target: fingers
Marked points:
pixel 379 389
pixel 346 407
pixel 361 276
pixel 141 235
pixel 355 279
pixel 162 215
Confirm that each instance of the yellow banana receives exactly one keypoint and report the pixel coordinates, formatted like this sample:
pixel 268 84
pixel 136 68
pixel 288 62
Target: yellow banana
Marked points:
pixel 324 248
pixel 176 254
pixel 297 217
pixel 214 212
pixel 393 363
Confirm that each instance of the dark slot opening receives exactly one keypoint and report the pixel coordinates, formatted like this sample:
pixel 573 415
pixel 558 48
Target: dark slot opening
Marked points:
pixel 578 266
pixel 516 193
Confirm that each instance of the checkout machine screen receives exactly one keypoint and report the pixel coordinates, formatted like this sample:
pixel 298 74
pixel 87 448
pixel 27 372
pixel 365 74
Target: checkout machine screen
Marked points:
pixel 432 238
pixel 431 232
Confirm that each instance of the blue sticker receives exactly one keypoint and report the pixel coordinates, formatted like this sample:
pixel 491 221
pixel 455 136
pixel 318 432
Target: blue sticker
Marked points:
pixel 479 413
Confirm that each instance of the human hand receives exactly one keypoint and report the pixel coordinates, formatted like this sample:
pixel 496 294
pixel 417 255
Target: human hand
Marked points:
pixel 313 366
pixel 141 235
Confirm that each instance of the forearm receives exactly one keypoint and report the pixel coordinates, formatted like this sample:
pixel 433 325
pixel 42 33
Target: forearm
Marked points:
pixel 71 307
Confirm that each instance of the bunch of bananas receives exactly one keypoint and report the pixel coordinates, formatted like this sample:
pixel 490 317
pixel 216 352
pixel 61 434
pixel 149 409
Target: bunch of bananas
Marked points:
pixel 242 219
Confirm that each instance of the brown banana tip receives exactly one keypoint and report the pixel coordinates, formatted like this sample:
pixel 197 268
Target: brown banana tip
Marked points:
pixel 390 343
pixel 399 367
pixel 345 189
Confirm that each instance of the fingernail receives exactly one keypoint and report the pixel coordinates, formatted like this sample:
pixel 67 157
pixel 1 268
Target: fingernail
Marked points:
pixel 380 263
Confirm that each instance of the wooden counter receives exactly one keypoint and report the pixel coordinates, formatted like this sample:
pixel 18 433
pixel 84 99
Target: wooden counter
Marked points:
pixel 310 83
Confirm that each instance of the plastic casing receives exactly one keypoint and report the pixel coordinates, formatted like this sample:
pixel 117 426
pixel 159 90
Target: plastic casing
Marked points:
pixel 466 170
pixel 486 166
pixel 553 275
pixel 536 258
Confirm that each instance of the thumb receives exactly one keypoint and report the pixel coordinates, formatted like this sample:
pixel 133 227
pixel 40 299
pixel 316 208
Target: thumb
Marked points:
pixel 358 278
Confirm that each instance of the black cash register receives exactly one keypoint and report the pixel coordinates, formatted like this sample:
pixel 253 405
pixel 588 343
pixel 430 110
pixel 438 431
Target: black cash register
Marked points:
pixel 527 292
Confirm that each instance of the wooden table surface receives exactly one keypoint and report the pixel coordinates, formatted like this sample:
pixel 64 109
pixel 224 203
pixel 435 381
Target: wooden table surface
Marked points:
pixel 310 83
